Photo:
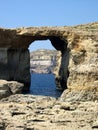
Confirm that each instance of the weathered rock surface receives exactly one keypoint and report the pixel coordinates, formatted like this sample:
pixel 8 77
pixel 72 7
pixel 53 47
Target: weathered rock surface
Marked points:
pixel 79 54
pixel 28 112
pixel 8 88
pixel 88 94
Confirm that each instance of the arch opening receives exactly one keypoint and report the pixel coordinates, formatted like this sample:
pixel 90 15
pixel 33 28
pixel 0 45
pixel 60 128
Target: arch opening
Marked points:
pixel 42 62
pixel 42 57
pixel 41 44
pixel 62 72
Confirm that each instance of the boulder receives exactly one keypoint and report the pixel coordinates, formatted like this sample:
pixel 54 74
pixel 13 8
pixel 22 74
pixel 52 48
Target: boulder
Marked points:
pixel 8 88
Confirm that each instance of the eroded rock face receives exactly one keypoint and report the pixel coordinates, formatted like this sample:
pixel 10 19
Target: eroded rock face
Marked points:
pixel 83 66
pixel 78 45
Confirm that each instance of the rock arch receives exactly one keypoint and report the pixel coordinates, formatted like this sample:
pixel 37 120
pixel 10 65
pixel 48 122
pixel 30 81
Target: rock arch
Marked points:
pixel 16 54
pixel 77 47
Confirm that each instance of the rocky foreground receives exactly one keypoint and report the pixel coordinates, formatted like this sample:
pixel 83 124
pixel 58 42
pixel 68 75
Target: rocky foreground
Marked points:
pixel 74 110
pixel 29 112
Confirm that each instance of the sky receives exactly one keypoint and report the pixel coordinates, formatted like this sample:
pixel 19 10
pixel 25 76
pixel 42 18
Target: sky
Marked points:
pixel 27 13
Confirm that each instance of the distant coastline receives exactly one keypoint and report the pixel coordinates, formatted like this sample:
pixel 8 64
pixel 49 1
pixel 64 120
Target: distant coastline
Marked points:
pixel 42 61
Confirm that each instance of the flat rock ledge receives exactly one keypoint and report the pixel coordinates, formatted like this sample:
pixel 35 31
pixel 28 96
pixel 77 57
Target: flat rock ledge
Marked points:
pixel 8 88
pixel 29 112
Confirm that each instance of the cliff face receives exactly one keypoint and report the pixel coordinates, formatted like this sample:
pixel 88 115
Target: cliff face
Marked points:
pixel 43 61
pixel 77 65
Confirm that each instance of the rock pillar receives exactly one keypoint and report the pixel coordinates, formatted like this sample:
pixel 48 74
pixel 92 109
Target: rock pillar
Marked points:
pixel 64 72
pixel 15 65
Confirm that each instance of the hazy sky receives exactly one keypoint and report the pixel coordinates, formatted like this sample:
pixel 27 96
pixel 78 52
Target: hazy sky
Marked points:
pixel 19 13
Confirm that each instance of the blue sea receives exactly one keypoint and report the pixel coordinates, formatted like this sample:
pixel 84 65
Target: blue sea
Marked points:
pixel 44 84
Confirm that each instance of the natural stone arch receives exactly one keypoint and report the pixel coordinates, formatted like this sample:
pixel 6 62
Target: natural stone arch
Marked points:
pixel 79 48
pixel 17 54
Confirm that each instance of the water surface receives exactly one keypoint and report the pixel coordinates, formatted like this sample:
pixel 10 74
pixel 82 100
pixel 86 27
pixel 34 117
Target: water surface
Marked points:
pixel 44 84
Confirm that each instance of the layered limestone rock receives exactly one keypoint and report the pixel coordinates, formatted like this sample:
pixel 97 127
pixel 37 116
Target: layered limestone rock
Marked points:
pixel 43 61
pixel 78 45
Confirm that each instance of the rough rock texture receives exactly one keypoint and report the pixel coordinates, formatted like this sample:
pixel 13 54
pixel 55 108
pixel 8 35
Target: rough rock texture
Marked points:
pixel 8 88
pixel 79 54
pixel 28 112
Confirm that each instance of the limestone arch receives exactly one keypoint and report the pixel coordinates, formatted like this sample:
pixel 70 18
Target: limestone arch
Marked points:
pixel 82 45
pixel 15 62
